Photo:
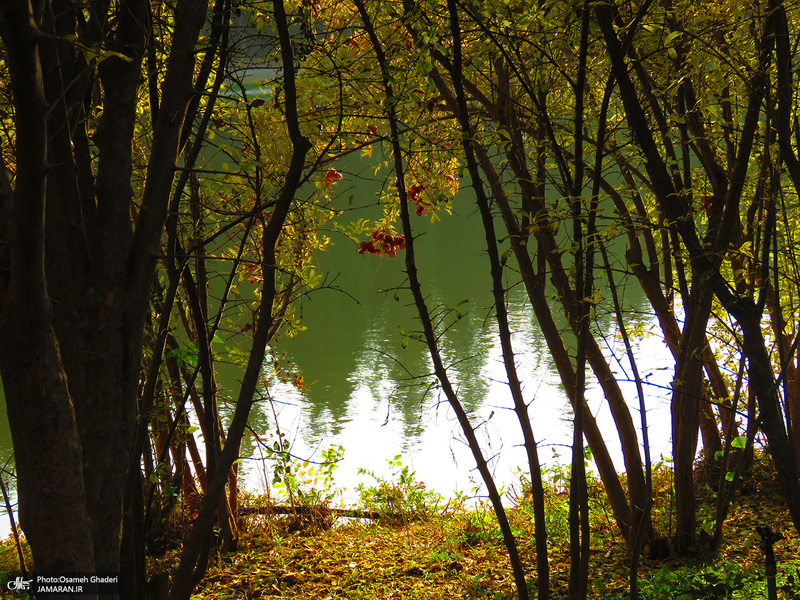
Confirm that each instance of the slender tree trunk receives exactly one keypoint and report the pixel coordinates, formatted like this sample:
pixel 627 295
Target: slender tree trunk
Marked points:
pixel 509 361
pixel 582 234
pixel 419 300
pixel 195 554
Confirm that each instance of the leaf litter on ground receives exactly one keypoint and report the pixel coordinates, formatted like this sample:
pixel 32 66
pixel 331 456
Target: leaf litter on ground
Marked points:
pixel 457 552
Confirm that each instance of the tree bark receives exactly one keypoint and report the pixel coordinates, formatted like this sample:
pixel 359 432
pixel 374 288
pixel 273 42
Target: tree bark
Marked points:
pixel 50 483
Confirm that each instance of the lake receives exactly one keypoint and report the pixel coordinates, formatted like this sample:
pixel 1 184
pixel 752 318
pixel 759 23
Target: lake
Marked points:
pixel 367 392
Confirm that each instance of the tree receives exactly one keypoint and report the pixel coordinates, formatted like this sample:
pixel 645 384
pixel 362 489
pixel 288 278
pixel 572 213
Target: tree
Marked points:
pixel 662 176
pixel 82 236
pixel 742 299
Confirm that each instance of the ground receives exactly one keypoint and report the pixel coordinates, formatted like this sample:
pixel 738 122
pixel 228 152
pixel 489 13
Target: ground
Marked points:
pixel 427 550
pixel 456 552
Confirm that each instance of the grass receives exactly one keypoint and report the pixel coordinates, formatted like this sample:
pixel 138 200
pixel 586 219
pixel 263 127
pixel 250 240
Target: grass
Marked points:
pixel 440 551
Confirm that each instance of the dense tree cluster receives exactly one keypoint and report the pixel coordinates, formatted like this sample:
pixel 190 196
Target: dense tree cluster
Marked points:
pixel 152 160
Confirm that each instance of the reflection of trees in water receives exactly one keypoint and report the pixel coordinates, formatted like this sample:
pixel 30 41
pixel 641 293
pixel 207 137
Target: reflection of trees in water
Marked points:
pixel 401 378
pixel 358 363
pixel 393 378
pixel 354 364
pixel 465 347
pixel 352 357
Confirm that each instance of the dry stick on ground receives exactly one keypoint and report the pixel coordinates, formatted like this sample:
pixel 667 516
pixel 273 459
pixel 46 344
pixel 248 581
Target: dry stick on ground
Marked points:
pixel 352 513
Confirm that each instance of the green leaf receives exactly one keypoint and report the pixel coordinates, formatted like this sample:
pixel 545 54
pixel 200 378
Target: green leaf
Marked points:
pixel 671 37
pixel 739 442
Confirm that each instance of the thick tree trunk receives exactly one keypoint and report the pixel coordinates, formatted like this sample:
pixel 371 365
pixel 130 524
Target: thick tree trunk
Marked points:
pixel 85 325
pixel 52 499
pixel 88 242
pixel 686 406
pixel 685 421
pixel 50 481
pixel 763 383
pixel 793 400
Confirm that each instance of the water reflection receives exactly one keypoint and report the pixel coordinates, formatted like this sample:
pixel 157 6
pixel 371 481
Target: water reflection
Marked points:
pixel 377 398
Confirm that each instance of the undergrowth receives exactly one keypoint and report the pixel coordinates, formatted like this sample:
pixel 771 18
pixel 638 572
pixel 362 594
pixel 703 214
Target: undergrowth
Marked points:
pixel 415 546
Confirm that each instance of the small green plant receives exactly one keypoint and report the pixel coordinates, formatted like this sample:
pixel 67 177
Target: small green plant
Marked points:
pixel 442 556
pixel 401 499
pixel 304 481
pixel 714 582
pixel 478 527
pixel 309 487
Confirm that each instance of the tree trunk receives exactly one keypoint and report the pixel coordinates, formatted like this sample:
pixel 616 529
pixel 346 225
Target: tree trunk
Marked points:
pixel 536 289
pixel 50 484
pixel 772 423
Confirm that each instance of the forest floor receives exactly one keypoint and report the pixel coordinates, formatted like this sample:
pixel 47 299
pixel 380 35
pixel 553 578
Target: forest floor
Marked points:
pixel 443 552
pixel 431 551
